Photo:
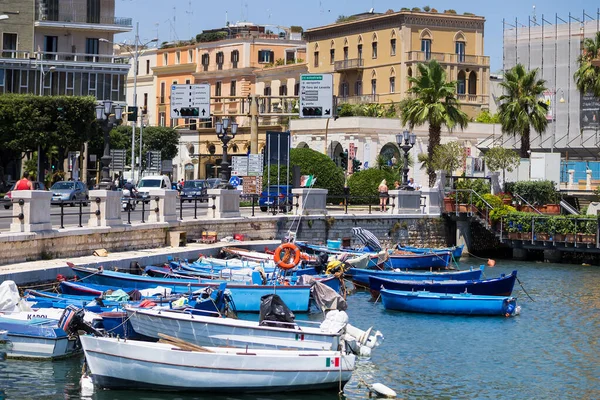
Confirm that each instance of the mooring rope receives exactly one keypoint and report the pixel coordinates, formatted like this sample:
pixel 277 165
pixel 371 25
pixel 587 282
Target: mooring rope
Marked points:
pixel 518 280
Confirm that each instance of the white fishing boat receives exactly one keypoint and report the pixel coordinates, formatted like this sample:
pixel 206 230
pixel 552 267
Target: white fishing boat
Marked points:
pixel 214 331
pixel 120 364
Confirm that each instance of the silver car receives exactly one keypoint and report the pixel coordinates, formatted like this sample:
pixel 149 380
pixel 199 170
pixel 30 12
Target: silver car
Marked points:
pixel 71 192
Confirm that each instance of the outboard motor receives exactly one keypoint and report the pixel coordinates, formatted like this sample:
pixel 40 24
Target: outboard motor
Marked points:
pixel 71 321
pixel 321 264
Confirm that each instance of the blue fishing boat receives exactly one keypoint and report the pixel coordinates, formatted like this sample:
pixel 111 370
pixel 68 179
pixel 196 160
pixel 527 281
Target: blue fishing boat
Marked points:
pixel 455 250
pixel 246 296
pixel 420 261
pixel 361 276
pixel 502 286
pixel 442 303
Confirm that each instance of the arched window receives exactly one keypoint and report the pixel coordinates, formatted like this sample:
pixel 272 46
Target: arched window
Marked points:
pixel 473 82
pixel 392 80
pixel 332 52
pixel 426 39
pixel 460 45
pixel 374 46
pixel 461 85
pixel 393 43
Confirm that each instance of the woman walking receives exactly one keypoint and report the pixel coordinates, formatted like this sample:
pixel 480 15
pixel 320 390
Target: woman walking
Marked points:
pixel 383 196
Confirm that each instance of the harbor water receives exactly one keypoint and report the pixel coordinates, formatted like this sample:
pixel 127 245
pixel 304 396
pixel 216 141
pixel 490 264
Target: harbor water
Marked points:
pixel 550 351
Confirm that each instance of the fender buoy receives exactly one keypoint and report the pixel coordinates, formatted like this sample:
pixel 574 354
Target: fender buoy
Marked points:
pixel 291 256
pixel 491 263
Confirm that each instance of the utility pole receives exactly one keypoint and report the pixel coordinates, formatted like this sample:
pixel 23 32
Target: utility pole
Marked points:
pixel 253 124
pixel 135 73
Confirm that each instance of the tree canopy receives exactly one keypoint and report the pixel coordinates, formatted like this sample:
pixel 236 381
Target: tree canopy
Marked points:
pixel 587 76
pixel 501 159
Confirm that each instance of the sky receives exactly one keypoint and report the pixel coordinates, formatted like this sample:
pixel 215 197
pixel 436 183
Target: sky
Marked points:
pixel 183 19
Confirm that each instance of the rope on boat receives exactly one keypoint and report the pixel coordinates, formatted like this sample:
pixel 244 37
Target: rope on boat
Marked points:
pixel 530 298
pixel 122 323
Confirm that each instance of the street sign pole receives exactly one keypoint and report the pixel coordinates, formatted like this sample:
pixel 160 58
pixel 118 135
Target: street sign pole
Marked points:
pixel 190 101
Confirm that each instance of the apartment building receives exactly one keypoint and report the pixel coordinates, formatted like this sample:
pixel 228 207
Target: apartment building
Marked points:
pixel 62 47
pixel 372 55
pixel 141 81
pixel 228 63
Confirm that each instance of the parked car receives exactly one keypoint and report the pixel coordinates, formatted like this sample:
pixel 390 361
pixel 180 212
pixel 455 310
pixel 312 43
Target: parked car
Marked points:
pixel 70 192
pixel 152 182
pixel 280 195
pixel 7 199
pixel 195 189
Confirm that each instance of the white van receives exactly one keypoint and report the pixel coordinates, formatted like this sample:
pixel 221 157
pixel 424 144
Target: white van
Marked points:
pixel 152 182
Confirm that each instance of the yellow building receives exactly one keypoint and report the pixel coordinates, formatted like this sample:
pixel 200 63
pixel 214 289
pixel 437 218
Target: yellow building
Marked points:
pixel 372 55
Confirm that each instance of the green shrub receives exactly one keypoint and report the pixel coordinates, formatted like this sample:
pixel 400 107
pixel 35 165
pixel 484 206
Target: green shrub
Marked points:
pixel 536 192
pixel 366 182
pixel 501 212
pixel 329 176
pixel 480 186
pixel 492 200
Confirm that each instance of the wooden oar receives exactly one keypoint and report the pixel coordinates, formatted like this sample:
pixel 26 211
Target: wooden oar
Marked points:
pixel 182 343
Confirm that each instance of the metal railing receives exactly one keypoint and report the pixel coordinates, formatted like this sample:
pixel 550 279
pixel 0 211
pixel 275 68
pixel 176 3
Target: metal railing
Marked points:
pixel 80 14
pixel 80 213
pixel 133 205
pixel 469 207
pixel 363 99
pixel 351 63
pixel 540 229
pixel 448 58
pixel 521 198
pixel 81 57
pixel 20 216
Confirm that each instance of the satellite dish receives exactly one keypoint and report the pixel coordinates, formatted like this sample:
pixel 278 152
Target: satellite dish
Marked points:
pixel 371 10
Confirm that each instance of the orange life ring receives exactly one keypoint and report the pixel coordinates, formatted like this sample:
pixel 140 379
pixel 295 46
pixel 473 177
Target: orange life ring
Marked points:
pixel 291 256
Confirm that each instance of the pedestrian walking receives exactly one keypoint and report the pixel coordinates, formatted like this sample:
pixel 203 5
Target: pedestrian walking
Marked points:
pixel 383 195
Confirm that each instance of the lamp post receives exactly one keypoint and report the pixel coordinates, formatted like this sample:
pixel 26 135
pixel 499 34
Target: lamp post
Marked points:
pixel 103 114
pixel 39 150
pixel 136 55
pixel 409 140
pixel 562 100
pixel 221 129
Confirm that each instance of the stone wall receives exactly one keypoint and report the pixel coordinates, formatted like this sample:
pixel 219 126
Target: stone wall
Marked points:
pixel 413 230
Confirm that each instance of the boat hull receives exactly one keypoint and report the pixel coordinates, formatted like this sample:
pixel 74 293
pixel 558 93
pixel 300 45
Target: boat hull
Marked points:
pixel 420 261
pixel 502 286
pixel 246 297
pixel 456 250
pixel 455 304
pixel 361 276
pixel 116 364
pixel 211 331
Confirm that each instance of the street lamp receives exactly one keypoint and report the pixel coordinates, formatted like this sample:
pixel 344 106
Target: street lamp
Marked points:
pixel 136 55
pixel 103 114
pixel 221 129
pixel 409 140
pixel 562 100
pixel 42 77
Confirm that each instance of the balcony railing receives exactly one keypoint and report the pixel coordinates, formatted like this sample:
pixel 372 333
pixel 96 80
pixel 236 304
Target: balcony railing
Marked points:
pixel 472 98
pixel 352 63
pixel 16 54
pixel 363 99
pixel 82 16
pixel 81 57
pixel 451 58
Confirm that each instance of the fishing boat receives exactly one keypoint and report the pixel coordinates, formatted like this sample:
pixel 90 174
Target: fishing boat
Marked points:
pixel 210 331
pixel 119 364
pixel 442 303
pixel 455 250
pixel 246 296
pixel 361 276
pixel 502 286
pixel 375 257
pixel 419 261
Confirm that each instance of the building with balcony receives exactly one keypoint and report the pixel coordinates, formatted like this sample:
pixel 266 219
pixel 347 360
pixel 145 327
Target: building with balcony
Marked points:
pixel 372 55
pixel 53 47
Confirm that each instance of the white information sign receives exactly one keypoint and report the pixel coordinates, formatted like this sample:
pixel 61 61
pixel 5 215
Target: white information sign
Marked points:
pixel 190 101
pixel 316 96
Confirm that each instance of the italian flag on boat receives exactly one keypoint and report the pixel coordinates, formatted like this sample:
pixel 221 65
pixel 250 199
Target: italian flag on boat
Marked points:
pixel 332 362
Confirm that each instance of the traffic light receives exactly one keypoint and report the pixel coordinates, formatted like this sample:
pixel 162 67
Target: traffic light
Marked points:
pixel 356 164
pixel 189 112
pixel 344 160
pixel 132 113
pixel 312 111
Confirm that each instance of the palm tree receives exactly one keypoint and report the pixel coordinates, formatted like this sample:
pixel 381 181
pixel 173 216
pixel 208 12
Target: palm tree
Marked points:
pixel 522 106
pixel 587 77
pixel 433 100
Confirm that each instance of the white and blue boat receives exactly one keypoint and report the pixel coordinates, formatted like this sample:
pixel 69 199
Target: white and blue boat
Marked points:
pixel 361 276
pixel 455 250
pixel 442 303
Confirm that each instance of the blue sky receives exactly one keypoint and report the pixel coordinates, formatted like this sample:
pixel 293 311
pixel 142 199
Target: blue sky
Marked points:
pixel 172 19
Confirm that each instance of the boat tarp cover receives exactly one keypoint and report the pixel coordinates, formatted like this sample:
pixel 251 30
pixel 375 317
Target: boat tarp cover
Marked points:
pixel 272 308
pixel 325 297
pixel 10 300
pixel 367 238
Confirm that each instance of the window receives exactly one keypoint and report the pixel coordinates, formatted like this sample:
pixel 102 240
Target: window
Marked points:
pixel 344 89
pixel 161 119
pixel 392 84
pixel 91 47
pixel 359 49
pixel 147 67
pixel 52 10
pixel 165 59
pixel 393 47
pixel 235 58
pixel 218 89
pixel 373 87
pixel 50 46
pixel 220 60
pixel 190 55
pixel 145 109
pixel 290 57
pixel 374 49
pixel 163 89
pixel 93 11
pixel 9 45
pixel 232 88
pixel 205 61
pixel 283 90
pixel 316 59
pixel 331 56
pixel 265 56
pixel 267 91
pixel 426 48
pixel 358 88
pixel 177 57
pixel 460 51
pixel 296 89
pixel 346 52
pixel 461 85
pixel 137 68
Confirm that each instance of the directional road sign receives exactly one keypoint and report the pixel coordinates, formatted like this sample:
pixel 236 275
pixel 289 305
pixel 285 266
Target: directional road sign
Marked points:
pixel 117 162
pixel 316 96
pixel 190 101
pixel 234 181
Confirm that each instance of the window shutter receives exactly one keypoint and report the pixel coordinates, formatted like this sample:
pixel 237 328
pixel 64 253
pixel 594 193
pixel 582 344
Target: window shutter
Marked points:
pixel 271 57
pixel 259 54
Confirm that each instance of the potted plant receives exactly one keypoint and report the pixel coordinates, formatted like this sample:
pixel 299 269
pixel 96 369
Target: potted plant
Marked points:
pixel 513 226
pixel 525 226
pixel 499 213
pixel 541 229
pixel 587 231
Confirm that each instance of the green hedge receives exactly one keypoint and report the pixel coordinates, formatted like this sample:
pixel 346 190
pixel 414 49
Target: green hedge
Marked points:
pixel 366 182
pixel 535 192
pixel 563 224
